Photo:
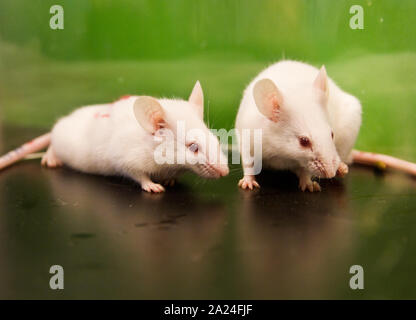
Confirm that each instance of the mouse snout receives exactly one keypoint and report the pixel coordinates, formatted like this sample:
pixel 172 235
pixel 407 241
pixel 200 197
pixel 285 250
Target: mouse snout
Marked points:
pixel 223 170
pixel 331 168
pixel 330 172
pixel 336 163
pixel 213 171
pixel 219 162
pixel 324 169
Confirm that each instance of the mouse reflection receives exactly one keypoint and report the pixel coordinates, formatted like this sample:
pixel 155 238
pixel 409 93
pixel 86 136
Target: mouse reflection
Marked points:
pixel 153 241
pixel 308 232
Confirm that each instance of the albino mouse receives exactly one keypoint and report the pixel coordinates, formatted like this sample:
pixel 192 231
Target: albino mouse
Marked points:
pixel 120 138
pixel 309 125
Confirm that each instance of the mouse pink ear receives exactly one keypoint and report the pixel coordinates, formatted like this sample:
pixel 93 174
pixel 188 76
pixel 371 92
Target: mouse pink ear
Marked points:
pixel 149 113
pixel 268 99
pixel 321 82
pixel 197 99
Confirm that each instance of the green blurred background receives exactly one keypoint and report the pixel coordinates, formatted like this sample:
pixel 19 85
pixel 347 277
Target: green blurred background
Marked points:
pixel 159 47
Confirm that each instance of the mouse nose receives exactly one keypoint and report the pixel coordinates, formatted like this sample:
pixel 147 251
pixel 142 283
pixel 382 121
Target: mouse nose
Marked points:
pixel 330 173
pixel 332 168
pixel 223 170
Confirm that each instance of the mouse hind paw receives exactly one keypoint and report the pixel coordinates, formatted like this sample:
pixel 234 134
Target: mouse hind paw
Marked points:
pixel 50 159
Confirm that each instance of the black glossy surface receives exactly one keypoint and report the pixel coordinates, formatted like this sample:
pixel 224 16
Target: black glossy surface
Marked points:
pixel 203 239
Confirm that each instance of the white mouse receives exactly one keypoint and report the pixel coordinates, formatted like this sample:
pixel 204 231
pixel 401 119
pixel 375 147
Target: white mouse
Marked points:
pixel 309 125
pixel 120 138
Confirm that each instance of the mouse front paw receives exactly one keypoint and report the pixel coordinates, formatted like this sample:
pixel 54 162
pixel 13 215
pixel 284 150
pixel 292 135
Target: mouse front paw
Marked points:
pixel 342 170
pixel 308 184
pixel 248 182
pixel 150 186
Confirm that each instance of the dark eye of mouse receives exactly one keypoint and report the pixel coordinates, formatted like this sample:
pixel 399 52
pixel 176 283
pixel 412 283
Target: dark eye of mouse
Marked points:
pixel 193 147
pixel 332 134
pixel 305 142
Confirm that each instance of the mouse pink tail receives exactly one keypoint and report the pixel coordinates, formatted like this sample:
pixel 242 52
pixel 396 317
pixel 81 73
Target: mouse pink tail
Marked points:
pixel 383 161
pixel 15 155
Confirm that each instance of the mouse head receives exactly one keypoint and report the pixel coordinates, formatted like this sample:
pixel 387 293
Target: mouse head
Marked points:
pixel 180 136
pixel 299 127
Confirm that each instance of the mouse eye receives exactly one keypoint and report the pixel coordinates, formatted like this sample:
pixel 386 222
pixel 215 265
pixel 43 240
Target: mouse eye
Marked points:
pixel 305 142
pixel 332 134
pixel 193 147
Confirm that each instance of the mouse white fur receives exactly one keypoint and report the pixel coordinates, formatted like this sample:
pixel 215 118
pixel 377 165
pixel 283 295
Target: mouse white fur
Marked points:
pixel 119 139
pixel 309 124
